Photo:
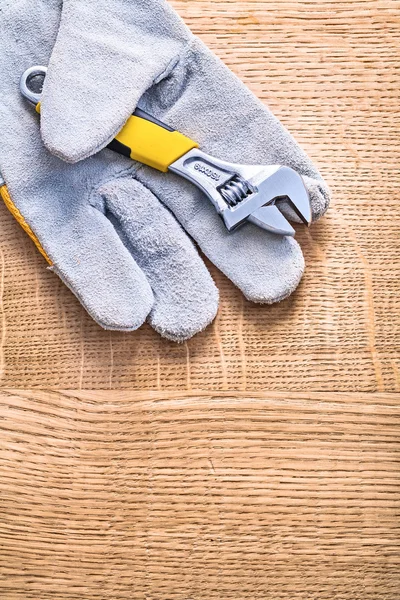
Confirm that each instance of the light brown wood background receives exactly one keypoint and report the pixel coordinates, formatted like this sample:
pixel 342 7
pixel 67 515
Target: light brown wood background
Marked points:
pixel 259 460
pixel 159 496
pixel 331 72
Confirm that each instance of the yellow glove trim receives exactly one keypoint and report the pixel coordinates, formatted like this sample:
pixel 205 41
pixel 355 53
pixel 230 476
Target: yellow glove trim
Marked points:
pixel 153 145
pixel 18 216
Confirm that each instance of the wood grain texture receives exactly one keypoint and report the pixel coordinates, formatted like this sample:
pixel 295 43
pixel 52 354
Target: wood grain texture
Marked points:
pixel 114 495
pixel 330 70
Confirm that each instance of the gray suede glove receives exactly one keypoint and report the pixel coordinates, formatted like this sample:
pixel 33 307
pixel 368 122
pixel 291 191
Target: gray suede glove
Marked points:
pixel 100 221
pixel 106 235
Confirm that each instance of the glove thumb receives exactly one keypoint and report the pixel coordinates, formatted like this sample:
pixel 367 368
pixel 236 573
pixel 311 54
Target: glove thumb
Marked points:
pixel 105 57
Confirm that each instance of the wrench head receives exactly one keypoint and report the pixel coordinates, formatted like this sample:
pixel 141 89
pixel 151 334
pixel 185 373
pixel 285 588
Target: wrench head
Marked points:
pixel 269 184
pixel 243 193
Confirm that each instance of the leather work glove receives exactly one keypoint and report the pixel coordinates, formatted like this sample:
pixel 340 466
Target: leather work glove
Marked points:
pixel 113 229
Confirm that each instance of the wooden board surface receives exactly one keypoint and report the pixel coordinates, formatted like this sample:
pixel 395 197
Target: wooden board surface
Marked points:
pixel 114 495
pixel 182 495
pixel 331 72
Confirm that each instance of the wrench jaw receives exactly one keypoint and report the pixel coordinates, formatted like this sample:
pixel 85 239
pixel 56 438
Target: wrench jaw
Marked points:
pixel 283 184
pixel 296 194
pixel 271 219
pixel 242 193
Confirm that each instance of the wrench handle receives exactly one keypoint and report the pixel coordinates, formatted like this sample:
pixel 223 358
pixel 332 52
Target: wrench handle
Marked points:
pixel 149 141
pixel 143 137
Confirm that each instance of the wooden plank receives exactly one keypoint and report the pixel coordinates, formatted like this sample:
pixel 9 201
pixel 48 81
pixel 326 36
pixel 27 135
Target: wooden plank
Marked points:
pixel 330 71
pixel 166 496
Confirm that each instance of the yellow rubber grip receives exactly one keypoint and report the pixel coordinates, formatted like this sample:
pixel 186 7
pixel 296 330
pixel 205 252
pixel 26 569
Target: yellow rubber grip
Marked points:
pixel 153 145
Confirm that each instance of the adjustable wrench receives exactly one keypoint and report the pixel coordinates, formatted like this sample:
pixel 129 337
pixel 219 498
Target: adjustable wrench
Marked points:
pixel 239 193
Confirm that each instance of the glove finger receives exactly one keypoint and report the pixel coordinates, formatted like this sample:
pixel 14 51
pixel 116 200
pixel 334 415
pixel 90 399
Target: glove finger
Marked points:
pixel 264 266
pixel 90 258
pixel 186 299
pixel 105 56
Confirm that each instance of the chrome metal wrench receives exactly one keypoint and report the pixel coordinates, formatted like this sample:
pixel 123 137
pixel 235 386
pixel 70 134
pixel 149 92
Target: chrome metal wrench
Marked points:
pixel 239 193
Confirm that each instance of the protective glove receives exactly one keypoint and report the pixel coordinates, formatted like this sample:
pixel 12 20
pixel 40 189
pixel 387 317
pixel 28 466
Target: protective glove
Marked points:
pixel 107 58
pixel 107 236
